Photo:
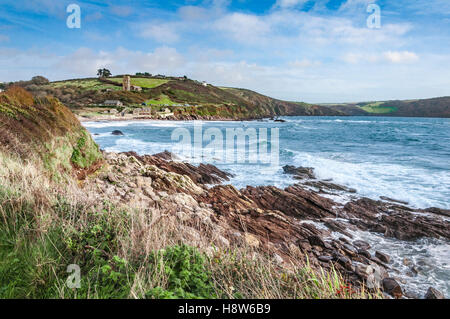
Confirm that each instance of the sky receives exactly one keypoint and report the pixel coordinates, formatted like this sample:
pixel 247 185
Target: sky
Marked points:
pixel 321 51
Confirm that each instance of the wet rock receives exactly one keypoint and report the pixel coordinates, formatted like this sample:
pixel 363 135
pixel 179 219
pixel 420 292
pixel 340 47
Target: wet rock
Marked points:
pixel 117 133
pixel 395 221
pixel 361 244
pixel 438 211
pixel 327 186
pixel 300 172
pixel 434 294
pixel 393 200
pixel 364 253
pixel 383 257
pixel 392 287
pixel 167 156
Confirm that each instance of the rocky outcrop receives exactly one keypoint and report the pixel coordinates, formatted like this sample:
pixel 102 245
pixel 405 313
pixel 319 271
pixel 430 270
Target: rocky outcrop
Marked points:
pixel 396 221
pixel 434 294
pixel 280 222
pixel 203 174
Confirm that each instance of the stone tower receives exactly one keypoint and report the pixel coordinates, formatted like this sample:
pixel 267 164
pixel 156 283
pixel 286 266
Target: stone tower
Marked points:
pixel 126 83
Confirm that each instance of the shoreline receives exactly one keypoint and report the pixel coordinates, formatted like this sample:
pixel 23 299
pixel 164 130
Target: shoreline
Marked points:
pixel 359 238
pixel 140 118
pixel 386 219
pixel 83 119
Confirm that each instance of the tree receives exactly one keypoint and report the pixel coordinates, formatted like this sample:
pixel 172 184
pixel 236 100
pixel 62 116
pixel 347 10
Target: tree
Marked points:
pixel 103 73
pixel 39 80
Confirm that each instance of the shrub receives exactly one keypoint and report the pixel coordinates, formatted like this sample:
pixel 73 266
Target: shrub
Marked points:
pixel 187 275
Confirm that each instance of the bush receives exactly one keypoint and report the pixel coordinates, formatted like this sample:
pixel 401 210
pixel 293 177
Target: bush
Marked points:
pixel 187 275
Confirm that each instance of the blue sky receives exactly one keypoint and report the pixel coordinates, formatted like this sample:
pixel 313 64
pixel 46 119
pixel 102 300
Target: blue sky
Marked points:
pixel 314 51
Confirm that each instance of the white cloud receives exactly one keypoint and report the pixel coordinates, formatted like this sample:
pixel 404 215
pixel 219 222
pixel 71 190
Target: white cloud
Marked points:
pixel 396 57
pixel 401 57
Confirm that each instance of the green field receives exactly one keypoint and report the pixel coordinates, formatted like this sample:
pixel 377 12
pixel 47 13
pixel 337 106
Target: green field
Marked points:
pixel 163 99
pixel 143 82
pixel 88 84
pixel 378 108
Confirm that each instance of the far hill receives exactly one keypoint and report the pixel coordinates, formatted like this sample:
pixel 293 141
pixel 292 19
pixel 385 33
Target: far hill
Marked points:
pixel 189 99
pixel 184 97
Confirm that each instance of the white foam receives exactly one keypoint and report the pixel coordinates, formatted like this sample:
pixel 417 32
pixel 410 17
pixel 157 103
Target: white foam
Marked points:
pixel 420 187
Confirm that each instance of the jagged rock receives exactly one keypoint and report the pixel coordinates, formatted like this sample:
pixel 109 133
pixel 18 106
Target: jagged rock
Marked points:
pixel 293 201
pixel 361 244
pixel 203 174
pixel 167 156
pixel 438 211
pixel 326 259
pixel 117 133
pixel 394 220
pixel 346 262
pixel 383 257
pixel 300 172
pixel 317 241
pixel 434 294
pixel 393 200
pixel 391 286
pixel 323 185
pixel 364 253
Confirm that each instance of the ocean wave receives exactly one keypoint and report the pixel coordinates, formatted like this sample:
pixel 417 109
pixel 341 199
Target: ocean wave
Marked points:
pixel 422 188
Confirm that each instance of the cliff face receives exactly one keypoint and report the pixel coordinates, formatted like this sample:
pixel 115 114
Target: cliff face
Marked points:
pixel 45 128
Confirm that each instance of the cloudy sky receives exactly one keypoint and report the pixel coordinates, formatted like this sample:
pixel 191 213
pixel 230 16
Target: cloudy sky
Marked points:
pixel 302 50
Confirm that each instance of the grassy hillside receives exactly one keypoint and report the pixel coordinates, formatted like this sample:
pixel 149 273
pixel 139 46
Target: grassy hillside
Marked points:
pixel 436 107
pixel 147 83
pixel 86 95
pixel 45 128
pixel 378 108
pixel 188 98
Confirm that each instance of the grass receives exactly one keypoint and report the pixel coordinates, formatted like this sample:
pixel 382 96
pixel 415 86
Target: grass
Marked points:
pixel 143 82
pixel 86 84
pixel 162 99
pixel 378 108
